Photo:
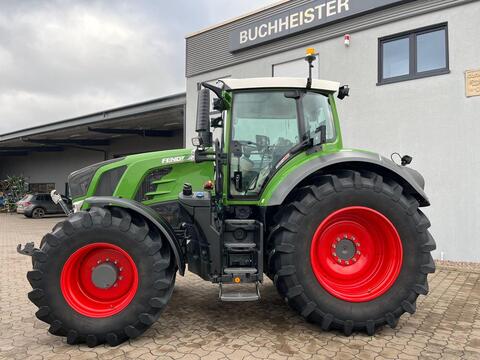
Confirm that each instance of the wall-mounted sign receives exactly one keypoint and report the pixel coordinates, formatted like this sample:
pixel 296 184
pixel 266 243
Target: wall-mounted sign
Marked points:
pixel 472 80
pixel 312 15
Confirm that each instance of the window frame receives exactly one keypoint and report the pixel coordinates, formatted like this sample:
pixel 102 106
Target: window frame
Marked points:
pixel 413 55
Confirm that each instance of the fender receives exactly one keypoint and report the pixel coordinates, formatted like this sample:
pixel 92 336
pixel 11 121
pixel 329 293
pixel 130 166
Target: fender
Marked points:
pixel 407 177
pixel 150 215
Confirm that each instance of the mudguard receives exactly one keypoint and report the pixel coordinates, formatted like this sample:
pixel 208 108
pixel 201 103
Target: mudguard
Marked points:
pixel 148 213
pixel 407 177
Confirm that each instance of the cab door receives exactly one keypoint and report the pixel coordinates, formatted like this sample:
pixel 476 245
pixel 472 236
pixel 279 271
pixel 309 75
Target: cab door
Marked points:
pixel 264 127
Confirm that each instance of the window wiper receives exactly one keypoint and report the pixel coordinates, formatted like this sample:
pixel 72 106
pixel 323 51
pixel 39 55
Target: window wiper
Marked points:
pixel 305 144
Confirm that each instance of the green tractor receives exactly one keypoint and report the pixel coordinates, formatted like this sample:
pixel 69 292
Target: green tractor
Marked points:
pixel 338 231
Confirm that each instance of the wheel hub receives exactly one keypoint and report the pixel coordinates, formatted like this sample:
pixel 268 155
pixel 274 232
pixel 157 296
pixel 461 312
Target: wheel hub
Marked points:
pixel 344 251
pixel 104 275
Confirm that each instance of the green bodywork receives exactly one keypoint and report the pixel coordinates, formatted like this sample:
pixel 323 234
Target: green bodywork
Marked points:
pixel 185 170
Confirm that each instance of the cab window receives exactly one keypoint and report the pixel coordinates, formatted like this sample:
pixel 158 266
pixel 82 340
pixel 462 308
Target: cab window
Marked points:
pixel 264 129
pixel 317 112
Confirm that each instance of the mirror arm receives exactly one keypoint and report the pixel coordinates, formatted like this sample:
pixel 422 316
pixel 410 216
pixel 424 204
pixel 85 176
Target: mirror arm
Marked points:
pixel 216 90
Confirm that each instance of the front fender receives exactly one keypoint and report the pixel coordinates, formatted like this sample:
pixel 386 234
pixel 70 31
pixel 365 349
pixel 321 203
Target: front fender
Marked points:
pixel 359 159
pixel 149 214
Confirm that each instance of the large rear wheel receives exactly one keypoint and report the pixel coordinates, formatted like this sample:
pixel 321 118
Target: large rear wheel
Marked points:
pixel 101 276
pixel 351 252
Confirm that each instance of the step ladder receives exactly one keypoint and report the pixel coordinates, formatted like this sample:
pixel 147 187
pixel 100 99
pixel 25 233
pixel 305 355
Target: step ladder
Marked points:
pixel 242 256
pixel 236 296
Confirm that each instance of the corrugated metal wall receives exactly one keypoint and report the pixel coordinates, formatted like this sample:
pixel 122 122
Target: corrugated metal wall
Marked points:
pixel 209 50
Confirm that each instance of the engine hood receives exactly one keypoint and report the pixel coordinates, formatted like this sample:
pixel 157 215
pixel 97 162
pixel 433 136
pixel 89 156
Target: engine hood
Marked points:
pixel 147 177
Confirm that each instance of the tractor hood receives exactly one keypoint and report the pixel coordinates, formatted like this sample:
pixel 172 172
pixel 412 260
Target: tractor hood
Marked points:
pixel 139 177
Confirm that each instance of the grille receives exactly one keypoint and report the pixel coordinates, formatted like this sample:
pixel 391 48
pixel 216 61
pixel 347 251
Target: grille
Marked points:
pixel 147 184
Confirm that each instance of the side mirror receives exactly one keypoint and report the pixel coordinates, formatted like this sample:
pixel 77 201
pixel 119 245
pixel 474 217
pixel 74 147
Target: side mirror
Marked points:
pixel 203 120
pixel 343 92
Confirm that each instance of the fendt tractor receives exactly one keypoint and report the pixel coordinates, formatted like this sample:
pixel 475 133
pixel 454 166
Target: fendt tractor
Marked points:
pixel 338 231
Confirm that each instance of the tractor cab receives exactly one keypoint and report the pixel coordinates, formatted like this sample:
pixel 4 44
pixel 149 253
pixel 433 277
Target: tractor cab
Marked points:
pixel 265 122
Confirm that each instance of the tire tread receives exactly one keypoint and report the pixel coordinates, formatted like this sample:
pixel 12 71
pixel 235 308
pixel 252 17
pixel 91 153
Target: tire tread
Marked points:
pixel 283 237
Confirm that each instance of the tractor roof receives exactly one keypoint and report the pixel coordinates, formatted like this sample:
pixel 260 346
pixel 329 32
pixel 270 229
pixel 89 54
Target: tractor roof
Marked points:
pixel 279 82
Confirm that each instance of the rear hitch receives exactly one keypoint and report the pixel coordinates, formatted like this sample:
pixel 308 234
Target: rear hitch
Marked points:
pixel 27 250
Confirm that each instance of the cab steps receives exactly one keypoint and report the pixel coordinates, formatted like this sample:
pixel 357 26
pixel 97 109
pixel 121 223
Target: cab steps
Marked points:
pixel 242 295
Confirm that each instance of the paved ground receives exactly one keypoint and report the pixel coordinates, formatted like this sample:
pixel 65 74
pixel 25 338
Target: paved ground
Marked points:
pixel 196 325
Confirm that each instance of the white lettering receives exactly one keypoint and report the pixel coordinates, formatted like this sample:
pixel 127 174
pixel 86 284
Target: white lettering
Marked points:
pixel 173 159
pixel 320 10
pixel 331 8
pixel 293 20
pixel 283 24
pixel 343 5
pixel 253 37
pixel 272 27
pixel 243 37
pixel 263 33
pixel 298 19
pixel 309 15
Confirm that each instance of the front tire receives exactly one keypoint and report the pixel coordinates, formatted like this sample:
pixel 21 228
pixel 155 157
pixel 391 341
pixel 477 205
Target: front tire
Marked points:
pixel 101 276
pixel 352 253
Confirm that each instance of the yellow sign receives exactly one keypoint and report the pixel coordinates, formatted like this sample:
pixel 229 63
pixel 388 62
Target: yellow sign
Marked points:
pixel 472 80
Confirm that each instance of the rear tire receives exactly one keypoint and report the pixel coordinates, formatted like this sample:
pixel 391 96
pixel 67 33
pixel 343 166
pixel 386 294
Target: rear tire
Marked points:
pixel 38 213
pixel 309 281
pixel 60 276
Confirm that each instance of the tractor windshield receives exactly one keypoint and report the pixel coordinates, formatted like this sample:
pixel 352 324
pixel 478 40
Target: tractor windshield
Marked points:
pixel 265 128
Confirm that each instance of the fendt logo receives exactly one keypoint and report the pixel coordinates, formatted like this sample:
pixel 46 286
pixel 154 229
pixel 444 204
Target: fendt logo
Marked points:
pixel 177 159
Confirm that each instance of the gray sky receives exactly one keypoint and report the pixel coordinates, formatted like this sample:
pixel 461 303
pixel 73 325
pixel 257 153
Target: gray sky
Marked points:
pixel 60 59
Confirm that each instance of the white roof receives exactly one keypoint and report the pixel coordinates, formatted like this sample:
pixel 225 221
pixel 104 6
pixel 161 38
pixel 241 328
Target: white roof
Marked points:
pixel 279 82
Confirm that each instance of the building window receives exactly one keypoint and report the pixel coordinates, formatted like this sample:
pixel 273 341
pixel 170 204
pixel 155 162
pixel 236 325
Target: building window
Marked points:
pixel 413 54
pixel 35 188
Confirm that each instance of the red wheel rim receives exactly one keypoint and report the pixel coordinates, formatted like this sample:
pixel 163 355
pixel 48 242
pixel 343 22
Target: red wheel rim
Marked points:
pixel 86 297
pixel 356 254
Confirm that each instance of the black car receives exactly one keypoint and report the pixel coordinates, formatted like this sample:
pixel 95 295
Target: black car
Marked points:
pixel 38 205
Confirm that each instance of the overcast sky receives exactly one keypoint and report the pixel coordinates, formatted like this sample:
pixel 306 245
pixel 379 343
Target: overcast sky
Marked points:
pixel 60 59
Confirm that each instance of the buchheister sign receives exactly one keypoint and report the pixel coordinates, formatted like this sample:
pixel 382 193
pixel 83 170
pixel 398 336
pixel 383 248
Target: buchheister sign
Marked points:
pixel 312 15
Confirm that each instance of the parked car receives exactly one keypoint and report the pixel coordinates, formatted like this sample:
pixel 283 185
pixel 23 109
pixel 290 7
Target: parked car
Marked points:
pixel 38 205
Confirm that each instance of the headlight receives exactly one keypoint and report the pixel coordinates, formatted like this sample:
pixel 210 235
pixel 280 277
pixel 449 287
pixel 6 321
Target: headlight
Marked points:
pixel 79 180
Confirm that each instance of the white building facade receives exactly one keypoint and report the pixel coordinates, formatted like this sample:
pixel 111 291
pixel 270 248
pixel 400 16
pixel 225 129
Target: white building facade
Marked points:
pixel 414 72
